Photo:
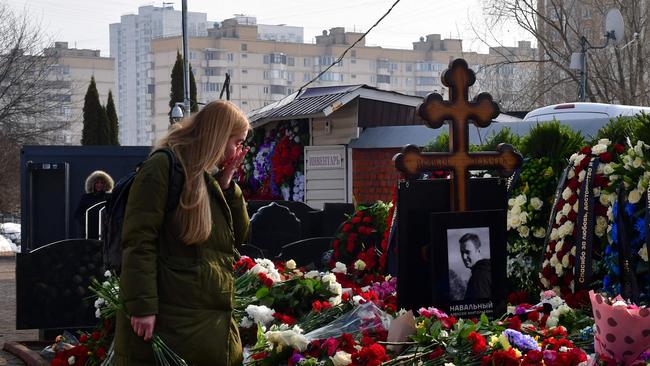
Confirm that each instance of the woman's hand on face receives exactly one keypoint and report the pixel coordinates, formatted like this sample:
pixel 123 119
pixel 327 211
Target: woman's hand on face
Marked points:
pixel 230 167
pixel 143 325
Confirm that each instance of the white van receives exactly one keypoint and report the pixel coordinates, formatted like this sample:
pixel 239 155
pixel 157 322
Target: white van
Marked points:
pixel 599 113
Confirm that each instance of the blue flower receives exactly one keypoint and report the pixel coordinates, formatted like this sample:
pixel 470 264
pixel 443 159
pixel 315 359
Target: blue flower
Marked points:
pixel 606 281
pixel 608 250
pixel 521 341
pixel 629 209
pixel 615 209
pixel 640 227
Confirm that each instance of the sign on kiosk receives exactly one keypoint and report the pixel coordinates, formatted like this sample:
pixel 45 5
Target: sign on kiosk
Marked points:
pixel 328 161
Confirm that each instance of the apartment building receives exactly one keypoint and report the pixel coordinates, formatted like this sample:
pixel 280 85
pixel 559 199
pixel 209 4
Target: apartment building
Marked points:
pixel 70 75
pixel 263 71
pixel 130 46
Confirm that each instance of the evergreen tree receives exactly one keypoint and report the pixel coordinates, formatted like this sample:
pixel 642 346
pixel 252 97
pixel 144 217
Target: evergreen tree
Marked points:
pixel 113 123
pixel 177 88
pixel 95 120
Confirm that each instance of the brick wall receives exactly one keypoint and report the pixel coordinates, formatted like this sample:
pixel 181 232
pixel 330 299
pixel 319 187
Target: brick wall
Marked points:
pixel 373 174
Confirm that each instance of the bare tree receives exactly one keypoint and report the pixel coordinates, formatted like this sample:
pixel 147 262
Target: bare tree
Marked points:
pixel 616 74
pixel 30 100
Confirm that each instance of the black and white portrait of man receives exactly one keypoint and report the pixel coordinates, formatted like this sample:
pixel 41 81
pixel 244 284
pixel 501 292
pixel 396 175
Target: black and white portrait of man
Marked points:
pixel 470 274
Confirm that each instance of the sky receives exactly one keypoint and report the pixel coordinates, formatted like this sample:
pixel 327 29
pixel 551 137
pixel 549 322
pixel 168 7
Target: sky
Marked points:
pixel 85 23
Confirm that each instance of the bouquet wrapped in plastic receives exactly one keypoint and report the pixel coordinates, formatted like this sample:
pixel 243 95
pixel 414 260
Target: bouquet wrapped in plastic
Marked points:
pixel 622 330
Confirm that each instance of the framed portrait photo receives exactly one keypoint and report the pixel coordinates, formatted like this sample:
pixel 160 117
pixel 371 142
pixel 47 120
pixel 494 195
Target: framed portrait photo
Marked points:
pixel 468 253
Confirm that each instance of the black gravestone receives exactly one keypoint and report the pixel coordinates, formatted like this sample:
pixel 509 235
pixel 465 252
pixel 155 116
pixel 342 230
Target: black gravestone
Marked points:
pixel 310 221
pixel 307 253
pixel 52 285
pixel 48 197
pixel 416 199
pixel 273 226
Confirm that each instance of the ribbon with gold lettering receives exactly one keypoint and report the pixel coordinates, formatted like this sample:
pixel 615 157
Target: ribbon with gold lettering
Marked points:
pixel 627 265
pixel 558 193
pixel 585 224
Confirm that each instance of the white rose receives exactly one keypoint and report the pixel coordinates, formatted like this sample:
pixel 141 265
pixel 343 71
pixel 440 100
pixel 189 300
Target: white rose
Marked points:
pixel 608 169
pixel 260 314
pixel 449 364
pixel 71 360
pixel 312 274
pixel 573 250
pixel 511 202
pixel 604 199
pixel 341 358
pixel 523 231
pixel 637 162
pixel 521 199
pixel 539 232
pixel 553 262
pixel 565 260
pixel 571 174
pixel 536 203
pixel 643 253
pixel 566 209
pixel 544 281
pixel 601 226
pixel 559 269
pixel 107 274
pixel 329 278
pixel 339 268
pixel 515 210
pixel 598 149
pixel 635 196
pixel 523 217
pixel 578 159
pixel 582 175
pixel 290 265
pixel 554 234
pixel 514 222
pixel 566 193
pixel 604 142
pixel 596 192
pixel 98 313
pixel 359 265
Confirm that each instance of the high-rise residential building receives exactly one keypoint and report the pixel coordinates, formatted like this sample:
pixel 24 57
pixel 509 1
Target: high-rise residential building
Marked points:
pixel 70 74
pixel 263 71
pixel 130 46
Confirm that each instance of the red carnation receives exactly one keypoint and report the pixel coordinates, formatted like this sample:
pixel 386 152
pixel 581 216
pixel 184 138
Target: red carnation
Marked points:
pixel 96 335
pixel 606 157
pixel 367 219
pixel 83 338
pixel 619 148
pixel 586 150
pixel 356 220
pixel 478 342
pixel 514 323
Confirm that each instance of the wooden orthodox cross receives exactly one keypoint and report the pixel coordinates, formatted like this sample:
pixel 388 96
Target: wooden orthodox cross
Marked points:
pixel 458 78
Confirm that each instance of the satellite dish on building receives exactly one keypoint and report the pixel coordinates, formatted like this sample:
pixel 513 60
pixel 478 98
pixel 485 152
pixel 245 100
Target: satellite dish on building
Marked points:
pixel 614 26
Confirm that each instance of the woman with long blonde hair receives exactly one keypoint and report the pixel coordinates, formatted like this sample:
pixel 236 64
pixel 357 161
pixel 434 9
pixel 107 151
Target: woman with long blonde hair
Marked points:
pixel 177 277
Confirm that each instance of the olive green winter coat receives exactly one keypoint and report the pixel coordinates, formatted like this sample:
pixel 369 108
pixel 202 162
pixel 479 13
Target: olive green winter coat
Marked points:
pixel 189 288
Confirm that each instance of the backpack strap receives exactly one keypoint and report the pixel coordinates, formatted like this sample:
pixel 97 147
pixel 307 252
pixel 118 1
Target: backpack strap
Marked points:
pixel 176 179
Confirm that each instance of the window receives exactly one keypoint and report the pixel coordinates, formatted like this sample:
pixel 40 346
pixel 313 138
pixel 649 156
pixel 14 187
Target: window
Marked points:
pixel 278 58
pixel 212 87
pixel 326 60
pixel 244 71
pixel 244 86
pixel 306 62
pixel 267 59
pixel 353 53
pixel 383 79
pixel 244 55
pixel 383 64
pixel 211 55
pixel 426 80
pixel 150 88
pixel 211 71
pixel 291 61
pixel 278 89
pixel 266 90
pixel 409 67
pixel 244 47
pixel 353 61
pixel 231 57
pixel 306 77
pixel 331 76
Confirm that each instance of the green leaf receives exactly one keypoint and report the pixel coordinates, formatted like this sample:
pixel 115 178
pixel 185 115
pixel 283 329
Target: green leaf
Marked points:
pixel 263 291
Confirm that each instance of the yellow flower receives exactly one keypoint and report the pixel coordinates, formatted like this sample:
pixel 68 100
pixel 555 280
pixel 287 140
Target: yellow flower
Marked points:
pixel 420 325
pixel 503 340
pixel 493 340
pixel 517 352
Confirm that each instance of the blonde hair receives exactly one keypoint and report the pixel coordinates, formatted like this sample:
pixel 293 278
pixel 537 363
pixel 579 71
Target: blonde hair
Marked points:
pixel 199 143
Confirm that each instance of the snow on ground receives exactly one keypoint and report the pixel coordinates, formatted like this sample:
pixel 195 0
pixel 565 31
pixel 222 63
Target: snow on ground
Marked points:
pixel 6 245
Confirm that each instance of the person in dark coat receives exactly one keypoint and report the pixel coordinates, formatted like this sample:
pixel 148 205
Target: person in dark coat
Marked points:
pixel 479 285
pixel 98 187
pixel 177 268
